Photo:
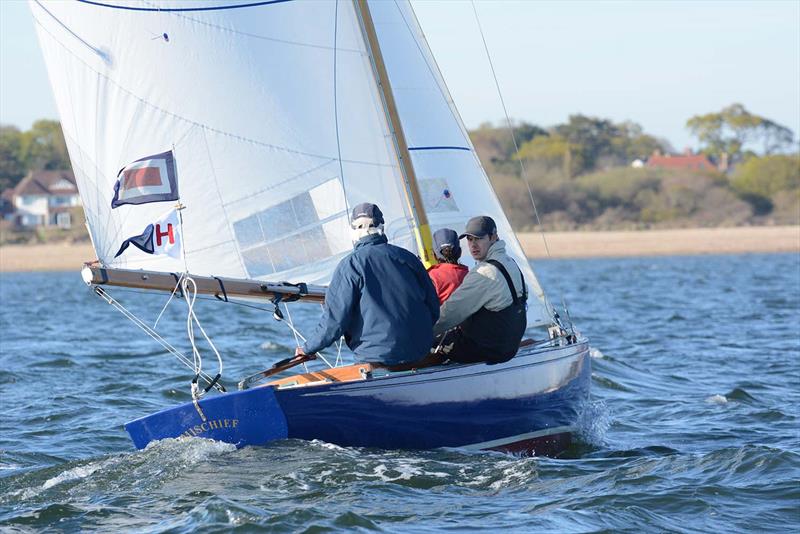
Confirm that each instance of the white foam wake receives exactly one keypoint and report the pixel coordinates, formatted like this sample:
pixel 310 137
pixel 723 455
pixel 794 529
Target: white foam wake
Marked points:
pixel 76 473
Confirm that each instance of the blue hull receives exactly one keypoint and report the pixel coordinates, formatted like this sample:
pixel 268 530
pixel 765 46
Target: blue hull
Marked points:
pixel 530 404
pixel 251 417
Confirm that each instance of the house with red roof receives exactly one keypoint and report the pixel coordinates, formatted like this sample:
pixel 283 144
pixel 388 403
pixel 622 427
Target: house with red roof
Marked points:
pixel 685 161
pixel 42 198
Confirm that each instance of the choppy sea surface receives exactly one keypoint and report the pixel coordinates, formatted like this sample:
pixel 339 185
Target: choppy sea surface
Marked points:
pixel 694 423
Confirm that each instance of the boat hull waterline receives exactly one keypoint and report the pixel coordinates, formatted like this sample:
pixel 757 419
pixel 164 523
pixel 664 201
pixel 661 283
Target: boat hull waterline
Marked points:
pixel 528 405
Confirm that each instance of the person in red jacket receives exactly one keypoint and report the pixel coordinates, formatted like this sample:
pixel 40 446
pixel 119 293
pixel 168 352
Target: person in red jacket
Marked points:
pixel 448 274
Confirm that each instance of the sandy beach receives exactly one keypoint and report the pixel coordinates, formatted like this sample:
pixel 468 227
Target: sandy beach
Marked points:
pixel 65 256
pixel 740 240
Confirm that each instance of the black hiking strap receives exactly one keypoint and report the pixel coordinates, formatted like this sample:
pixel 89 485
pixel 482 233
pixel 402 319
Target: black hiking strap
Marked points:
pixel 511 287
pixel 222 287
pixel 177 284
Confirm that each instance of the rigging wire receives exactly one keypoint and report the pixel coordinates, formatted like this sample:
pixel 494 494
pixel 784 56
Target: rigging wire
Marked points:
pixel 179 207
pixel 290 324
pixel 336 105
pixel 230 301
pixel 171 295
pixel 297 335
pixel 150 332
pixel 338 352
pixel 172 350
pixel 510 128
pixel 523 171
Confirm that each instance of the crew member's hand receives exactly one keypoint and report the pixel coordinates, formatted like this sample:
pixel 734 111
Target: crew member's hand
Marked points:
pixel 299 352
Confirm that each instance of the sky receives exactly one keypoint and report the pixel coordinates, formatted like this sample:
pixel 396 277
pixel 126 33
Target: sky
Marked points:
pixel 651 62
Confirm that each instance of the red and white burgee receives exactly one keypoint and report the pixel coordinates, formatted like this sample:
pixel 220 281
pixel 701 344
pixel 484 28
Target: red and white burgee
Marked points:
pixel 149 179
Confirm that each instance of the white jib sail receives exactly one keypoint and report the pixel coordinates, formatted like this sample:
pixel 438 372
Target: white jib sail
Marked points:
pixel 453 185
pixel 275 122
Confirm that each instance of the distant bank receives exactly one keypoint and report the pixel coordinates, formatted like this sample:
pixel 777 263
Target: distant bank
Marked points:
pixel 738 240
pixel 66 257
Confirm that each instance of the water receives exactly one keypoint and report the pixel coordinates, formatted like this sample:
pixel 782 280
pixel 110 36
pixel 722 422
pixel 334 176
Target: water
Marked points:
pixel 694 423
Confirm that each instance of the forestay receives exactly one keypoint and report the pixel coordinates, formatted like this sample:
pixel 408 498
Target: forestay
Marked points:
pixel 273 116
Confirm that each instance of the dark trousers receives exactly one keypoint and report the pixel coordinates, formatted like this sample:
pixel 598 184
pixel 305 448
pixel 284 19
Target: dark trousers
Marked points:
pixel 457 347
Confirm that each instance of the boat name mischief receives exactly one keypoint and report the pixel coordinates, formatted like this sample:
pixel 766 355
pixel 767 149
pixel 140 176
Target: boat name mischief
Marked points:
pixel 212 424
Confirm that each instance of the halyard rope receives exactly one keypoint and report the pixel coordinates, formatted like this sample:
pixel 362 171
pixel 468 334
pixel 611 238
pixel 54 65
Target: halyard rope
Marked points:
pixel 190 292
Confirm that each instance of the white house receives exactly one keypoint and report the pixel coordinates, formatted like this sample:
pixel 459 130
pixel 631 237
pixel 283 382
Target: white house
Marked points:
pixel 44 198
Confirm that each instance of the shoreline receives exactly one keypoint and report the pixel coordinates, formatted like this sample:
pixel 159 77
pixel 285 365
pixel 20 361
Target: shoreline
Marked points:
pixel 573 245
pixel 676 242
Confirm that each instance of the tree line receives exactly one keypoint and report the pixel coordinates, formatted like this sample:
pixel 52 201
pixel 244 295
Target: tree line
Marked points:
pixel 40 148
pixel 580 171
pixel 581 176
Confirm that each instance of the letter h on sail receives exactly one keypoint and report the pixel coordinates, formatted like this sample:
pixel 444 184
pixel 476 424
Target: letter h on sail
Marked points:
pixel 167 233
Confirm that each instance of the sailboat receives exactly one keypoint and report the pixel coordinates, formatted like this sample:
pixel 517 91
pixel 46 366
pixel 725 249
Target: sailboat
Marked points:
pixel 218 147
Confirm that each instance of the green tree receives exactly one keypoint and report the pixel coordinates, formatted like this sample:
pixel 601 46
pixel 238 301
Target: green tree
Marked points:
pixel 43 147
pixel 632 143
pixel 619 187
pixel 767 176
pixel 497 143
pixel 775 137
pixel 595 137
pixel 553 152
pixel 12 168
pixel 728 131
pixel 523 132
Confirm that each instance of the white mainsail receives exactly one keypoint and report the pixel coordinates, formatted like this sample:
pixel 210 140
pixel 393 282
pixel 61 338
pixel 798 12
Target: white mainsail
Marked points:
pixel 274 117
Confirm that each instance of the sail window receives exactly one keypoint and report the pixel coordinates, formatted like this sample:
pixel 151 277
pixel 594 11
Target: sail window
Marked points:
pixel 437 195
pixel 301 230
pixel 258 261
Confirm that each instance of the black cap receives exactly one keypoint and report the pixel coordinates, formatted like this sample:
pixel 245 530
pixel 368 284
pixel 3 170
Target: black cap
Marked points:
pixel 366 209
pixel 445 237
pixel 479 227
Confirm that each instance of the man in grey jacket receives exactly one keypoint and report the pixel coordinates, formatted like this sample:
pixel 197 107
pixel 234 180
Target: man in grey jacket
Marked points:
pixel 487 312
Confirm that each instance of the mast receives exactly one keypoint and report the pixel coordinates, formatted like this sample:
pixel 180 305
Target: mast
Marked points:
pixel 422 231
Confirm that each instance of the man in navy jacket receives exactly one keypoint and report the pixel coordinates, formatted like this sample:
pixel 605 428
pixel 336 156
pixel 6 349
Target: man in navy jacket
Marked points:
pixel 380 299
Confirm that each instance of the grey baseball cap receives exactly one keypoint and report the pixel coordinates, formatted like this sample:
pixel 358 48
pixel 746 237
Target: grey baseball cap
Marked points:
pixel 445 237
pixel 479 227
pixel 366 209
